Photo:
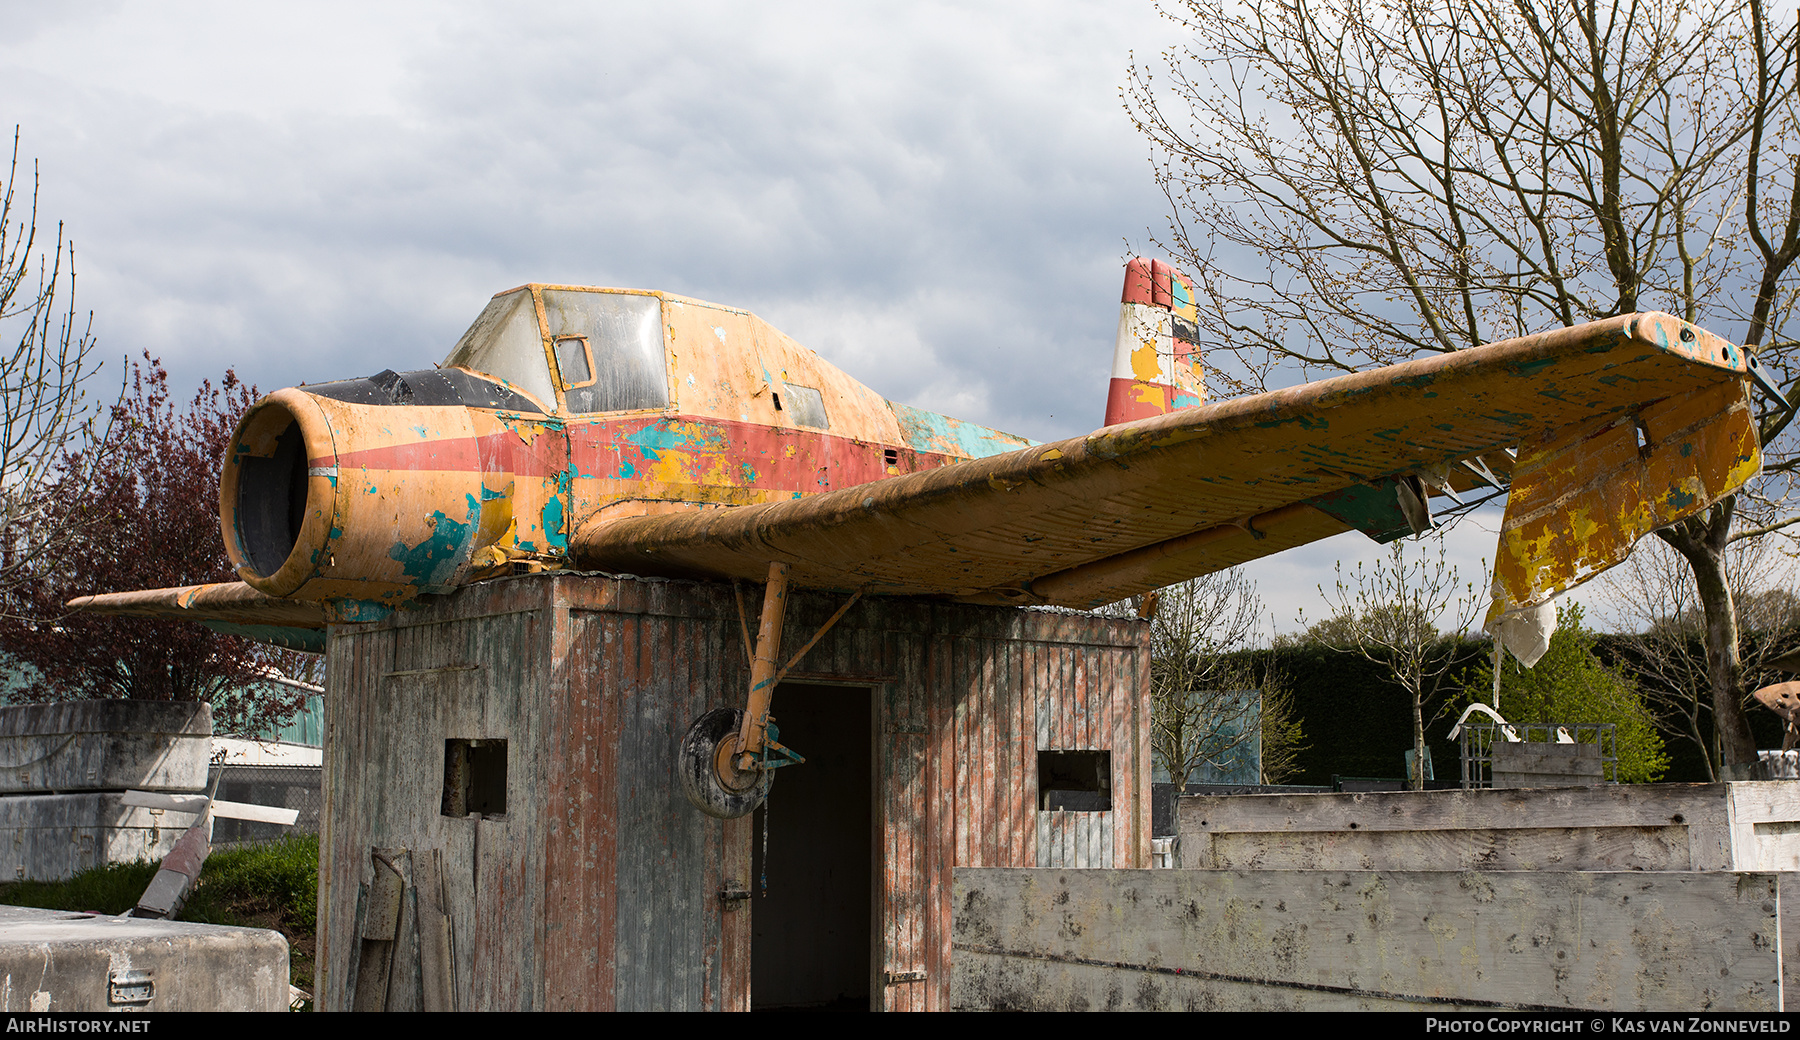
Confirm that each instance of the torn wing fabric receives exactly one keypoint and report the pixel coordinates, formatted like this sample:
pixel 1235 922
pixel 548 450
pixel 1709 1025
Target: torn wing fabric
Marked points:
pixel 1583 495
pixel 1526 632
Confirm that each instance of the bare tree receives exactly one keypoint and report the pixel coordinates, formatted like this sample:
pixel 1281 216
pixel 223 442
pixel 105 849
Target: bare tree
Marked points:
pixel 49 426
pixel 1407 613
pixel 1355 182
pixel 1200 714
pixel 1652 597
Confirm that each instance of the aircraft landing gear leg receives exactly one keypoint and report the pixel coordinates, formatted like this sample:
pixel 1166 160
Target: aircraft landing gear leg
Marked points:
pixel 728 757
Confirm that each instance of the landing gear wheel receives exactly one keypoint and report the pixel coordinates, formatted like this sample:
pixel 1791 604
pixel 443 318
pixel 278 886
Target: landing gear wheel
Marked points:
pixel 708 776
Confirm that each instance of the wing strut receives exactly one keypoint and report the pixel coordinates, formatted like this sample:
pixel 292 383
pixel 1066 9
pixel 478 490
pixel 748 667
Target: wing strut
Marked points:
pixel 729 756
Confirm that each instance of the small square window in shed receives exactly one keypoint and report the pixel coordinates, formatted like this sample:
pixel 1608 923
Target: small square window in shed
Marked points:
pixel 474 777
pixel 1079 781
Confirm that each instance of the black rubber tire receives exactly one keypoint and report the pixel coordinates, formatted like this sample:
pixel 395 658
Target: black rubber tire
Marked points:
pixel 694 760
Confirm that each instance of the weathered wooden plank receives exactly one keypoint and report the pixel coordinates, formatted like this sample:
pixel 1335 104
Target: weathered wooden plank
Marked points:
pixel 1188 939
pixel 996 697
pixel 1141 748
pixel 1118 742
pixel 1538 764
pixel 923 653
pixel 1765 825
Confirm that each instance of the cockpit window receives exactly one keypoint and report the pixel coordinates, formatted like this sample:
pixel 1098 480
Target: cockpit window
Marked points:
pixel 574 362
pixel 807 407
pixel 609 348
pixel 504 343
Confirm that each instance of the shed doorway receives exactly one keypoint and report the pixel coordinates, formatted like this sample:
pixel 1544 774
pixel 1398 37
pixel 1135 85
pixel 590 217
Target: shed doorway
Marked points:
pixel 811 930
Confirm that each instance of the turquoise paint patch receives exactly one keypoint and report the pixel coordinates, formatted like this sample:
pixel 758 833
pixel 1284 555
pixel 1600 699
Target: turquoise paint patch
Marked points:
pixel 940 434
pixel 1530 368
pixel 1687 449
pixel 1679 499
pixel 1416 381
pixel 1305 422
pixel 309 640
pixel 659 437
pixel 433 563
pixel 1186 400
pixel 359 610
pixel 554 533
pixel 748 473
pixel 1372 509
pixel 488 495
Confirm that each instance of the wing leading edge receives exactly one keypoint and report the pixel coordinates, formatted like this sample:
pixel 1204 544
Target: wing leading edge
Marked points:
pixel 1621 426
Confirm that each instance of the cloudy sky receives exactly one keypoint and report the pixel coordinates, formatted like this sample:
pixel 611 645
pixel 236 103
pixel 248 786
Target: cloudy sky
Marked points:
pixel 937 199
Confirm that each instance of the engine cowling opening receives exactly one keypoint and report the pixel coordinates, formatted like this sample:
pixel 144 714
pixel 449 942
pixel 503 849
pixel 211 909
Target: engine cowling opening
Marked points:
pixel 271 501
pixel 274 516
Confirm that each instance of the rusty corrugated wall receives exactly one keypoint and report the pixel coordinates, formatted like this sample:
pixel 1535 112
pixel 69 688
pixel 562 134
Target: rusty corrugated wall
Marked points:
pixel 599 885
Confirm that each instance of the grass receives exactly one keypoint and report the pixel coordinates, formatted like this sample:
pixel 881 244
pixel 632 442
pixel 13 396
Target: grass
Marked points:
pixel 273 885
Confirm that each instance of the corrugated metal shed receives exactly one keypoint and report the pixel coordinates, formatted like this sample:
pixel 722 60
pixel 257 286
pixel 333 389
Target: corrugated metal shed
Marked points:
pixel 580 878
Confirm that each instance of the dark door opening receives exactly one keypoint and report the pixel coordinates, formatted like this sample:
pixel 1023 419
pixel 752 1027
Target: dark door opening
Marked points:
pixel 811 935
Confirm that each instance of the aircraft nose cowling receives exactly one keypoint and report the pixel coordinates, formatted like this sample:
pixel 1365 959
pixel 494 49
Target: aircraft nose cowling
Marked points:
pixel 323 499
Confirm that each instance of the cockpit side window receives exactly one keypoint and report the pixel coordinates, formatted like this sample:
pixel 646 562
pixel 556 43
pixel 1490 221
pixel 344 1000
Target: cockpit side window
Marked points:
pixel 806 406
pixel 504 343
pixel 609 350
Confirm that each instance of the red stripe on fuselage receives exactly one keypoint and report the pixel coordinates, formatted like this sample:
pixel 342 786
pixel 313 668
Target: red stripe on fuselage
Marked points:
pixel 495 452
pixel 777 458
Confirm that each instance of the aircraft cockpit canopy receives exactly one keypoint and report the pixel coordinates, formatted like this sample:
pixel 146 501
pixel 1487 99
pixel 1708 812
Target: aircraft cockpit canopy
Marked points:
pixel 607 346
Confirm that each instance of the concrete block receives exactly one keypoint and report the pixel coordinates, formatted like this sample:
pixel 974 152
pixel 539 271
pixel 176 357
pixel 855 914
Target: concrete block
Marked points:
pixel 1045 940
pixel 104 746
pixel 51 960
pixel 50 837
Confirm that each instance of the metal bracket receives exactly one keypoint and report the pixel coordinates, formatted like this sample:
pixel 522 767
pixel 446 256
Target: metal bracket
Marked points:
pixel 732 894
pixel 774 755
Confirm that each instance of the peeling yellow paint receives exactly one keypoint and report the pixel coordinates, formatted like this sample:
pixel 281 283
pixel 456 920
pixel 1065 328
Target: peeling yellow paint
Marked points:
pixel 1581 500
pixel 1144 363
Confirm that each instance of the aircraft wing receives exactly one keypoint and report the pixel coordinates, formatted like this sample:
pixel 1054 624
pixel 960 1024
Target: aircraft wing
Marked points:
pixel 1621 426
pixel 233 608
